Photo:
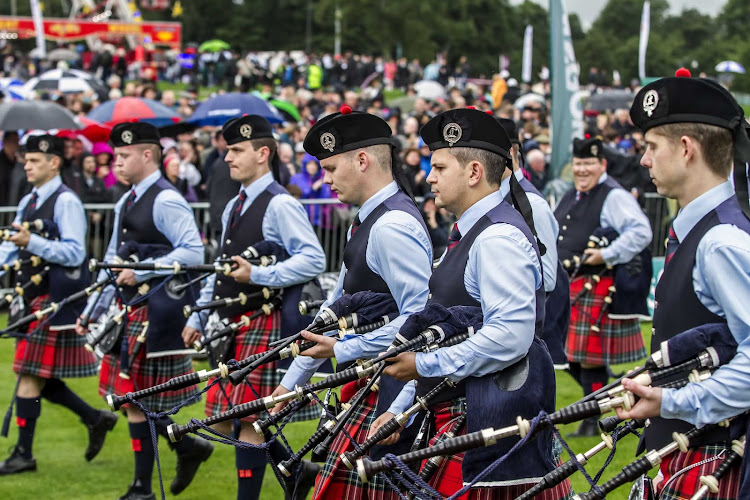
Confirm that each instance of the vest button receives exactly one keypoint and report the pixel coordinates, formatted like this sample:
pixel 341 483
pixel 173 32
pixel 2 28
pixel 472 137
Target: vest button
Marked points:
pixel 122 243
pixel 228 242
pixel 565 228
pixel 218 282
pixel 124 230
pixel 216 297
pixel 560 238
pixel 567 216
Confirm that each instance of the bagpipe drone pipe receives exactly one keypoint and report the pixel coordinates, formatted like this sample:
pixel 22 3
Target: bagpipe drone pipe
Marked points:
pixel 431 336
pixel 42 227
pixel 697 349
pixel 373 310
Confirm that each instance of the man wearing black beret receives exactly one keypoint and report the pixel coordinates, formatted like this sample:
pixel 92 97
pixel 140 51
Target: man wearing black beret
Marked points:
pixel 598 209
pixel 52 351
pixel 493 261
pixel 262 211
pixel 388 251
pixel 695 132
pixel 154 218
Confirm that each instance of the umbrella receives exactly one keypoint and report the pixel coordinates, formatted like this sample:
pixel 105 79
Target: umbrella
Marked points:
pixel 525 99
pixel 609 100
pixel 92 130
pixel 12 88
pixel 69 81
pixel 730 67
pixel 287 109
pixel 218 109
pixel 63 55
pixel 430 90
pixel 405 103
pixel 214 46
pixel 27 115
pixel 126 109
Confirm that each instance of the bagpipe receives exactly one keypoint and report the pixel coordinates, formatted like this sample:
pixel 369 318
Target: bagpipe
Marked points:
pixel 430 338
pixel 693 350
pixel 20 289
pixel 368 305
pixel 308 306
pixel 265 293
pixel 601 238
pixel 33 261
pixel 39 226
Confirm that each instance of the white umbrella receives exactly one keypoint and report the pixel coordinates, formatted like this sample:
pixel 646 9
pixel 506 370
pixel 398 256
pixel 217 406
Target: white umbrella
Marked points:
pixel 525 99
pixel 69 81
pixel 430 90
pixel 63 55
pixel 730 67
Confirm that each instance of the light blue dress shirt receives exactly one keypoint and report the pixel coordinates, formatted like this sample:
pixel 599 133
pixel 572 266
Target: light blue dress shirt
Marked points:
pixel 721 279
pixel 622 213
pixel 174 218
pixel 285 223
pixel 506 290
pixel 70 249
pixel 399 251
pixel 547 230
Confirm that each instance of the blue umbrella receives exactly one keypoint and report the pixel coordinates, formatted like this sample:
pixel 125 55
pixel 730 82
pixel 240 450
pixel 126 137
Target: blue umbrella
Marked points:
pixel 730 67
pixel 217 110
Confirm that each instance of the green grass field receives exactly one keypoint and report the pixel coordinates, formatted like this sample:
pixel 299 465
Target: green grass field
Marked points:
pixel 63 473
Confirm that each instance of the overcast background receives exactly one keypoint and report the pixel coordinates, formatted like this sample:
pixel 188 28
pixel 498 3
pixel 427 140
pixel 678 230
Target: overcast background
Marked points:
pixel 588 10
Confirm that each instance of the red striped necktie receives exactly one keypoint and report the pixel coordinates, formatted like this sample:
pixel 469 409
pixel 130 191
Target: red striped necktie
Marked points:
pixel 31 205
pixel 130 201
pixel 454 237
pixel 355 226
pixel 237 210
pixel 672 244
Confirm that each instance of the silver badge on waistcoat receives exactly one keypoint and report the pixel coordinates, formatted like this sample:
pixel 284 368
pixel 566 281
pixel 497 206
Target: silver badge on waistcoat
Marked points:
pixel 127 137
pixel 328 141
pixel 452 133
pixel 650 101
pixel 246 131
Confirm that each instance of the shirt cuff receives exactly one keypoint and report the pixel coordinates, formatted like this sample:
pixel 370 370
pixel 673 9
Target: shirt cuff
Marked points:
pixel 258 275
pixel 194 321
pixel 347 350
pixel 36 244
pixel 608 256
pixel 670 406
pixel 404 399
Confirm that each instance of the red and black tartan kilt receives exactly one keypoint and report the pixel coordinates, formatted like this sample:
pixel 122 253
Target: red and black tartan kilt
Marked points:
pixel 619 340
pixel 685 485
pixel 336 480
pixel 145 372
pixel 52 353
pixel 265 379
pixel 448 478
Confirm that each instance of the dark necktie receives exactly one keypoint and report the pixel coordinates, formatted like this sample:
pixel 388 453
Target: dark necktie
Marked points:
pixel 580 195
pixel 454 237
pixel 355 226
pixel 31 205
pixel 130 201
pixel 672 244
pixel 237 210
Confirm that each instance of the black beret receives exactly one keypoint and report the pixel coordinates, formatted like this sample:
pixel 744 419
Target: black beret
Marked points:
pixel 588 148
pixel 681 99
pixel 47 144
pixel 130 133
pixel 345 131
pixel 246 128
pixel 511 128
pixel 466 128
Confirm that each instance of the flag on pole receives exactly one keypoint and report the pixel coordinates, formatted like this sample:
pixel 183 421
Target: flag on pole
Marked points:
pixel 567 112
pixel 36 15
pixel 643 45
pixel 528 40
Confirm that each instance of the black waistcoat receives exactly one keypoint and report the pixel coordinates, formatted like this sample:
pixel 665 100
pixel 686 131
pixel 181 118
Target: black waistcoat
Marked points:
pixel 522 388
pixel 678 309
pixel 166 320
pixel 60 282
pixel 578 220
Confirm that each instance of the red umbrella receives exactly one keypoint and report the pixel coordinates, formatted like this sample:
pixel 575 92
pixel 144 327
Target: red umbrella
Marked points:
pixel 128 109
pixel 92 130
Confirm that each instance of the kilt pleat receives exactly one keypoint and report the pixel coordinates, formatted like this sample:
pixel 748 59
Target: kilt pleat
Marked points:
pixel 336 480
pixel 250 340
pixel 685 485
pixel 619 340
pixel 52 353
pixel 145 372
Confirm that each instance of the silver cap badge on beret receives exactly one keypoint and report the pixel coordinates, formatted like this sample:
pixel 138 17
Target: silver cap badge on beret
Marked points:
pixel 127 137
pixel 43 146
pixel 452 133
pixel 650 101
pixel 328 141
pixel 246 131
pixel 595 150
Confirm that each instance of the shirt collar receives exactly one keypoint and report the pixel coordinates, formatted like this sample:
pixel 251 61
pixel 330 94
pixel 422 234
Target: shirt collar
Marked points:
pixel 45 191
pixel 504 188
pixel 519 174
pixel 256 187
pixel 477 211
pixel 377 199
pixel 694 211
pixel 146 183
